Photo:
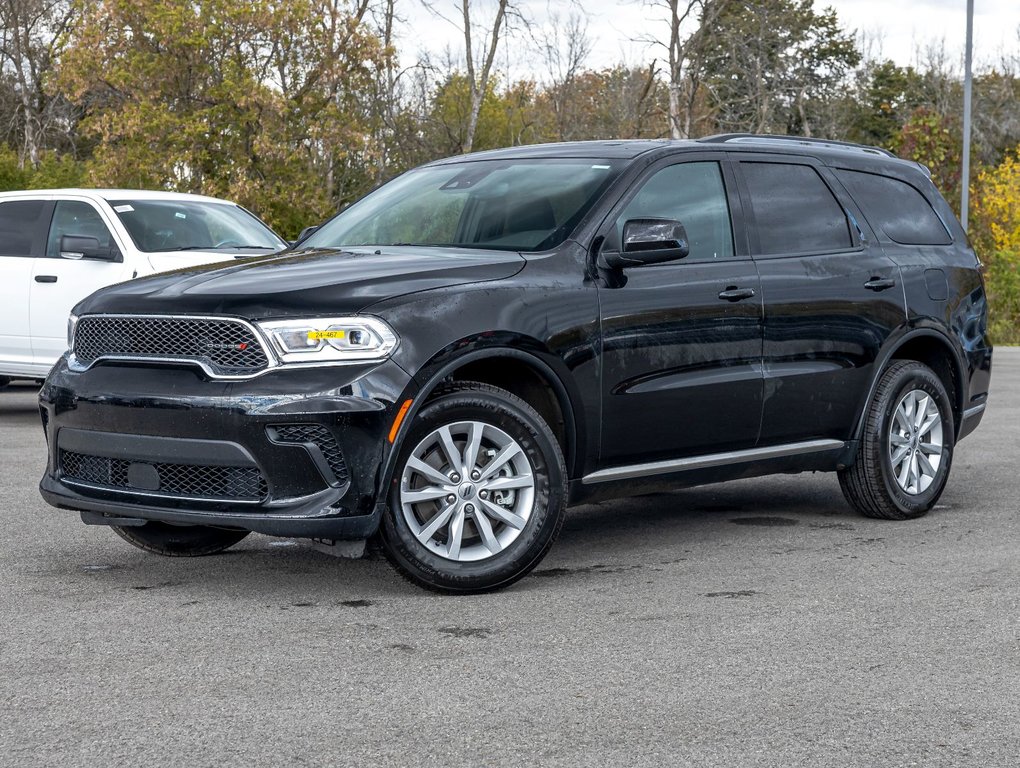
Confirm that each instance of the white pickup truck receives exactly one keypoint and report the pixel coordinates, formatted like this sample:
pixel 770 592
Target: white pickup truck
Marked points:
pixel 59 245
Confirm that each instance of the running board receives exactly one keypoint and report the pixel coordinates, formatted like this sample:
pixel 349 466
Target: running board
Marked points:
pixel 710 460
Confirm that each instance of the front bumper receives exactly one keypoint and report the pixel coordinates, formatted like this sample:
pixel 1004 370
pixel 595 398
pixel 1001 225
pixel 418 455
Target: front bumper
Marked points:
pixel 295 452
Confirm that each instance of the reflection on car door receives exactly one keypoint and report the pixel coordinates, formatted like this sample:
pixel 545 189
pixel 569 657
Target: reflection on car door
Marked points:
pixel 60 283
pixel 682 340
pixel 22 236
pixel 831 297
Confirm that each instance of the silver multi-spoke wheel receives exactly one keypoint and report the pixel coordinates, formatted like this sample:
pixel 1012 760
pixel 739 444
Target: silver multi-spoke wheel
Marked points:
pixel 467 491
pixel 915 441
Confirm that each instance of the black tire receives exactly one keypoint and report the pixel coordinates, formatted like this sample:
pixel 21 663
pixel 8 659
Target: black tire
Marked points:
pixel 179 540
pixel 472 401
pixel 870 485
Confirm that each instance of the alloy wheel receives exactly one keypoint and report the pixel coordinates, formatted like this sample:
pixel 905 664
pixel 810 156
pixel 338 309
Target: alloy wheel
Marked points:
pixel 467 491
pixel 915 441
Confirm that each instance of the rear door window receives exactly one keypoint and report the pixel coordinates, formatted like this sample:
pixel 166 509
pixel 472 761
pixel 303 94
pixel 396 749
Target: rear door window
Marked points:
pixel 896 208
pixel 794 210
pixel 20 226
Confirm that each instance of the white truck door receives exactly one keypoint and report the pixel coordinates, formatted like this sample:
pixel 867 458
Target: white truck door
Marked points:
pixel 23 227
pixel 61 281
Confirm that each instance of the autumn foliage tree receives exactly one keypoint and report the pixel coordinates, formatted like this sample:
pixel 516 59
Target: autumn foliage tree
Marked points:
pixel 254 101
pixel 996 234
pixel 932 140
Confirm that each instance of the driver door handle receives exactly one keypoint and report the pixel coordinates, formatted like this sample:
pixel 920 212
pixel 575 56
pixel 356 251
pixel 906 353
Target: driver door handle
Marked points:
pixel 733 293
pixel 46 278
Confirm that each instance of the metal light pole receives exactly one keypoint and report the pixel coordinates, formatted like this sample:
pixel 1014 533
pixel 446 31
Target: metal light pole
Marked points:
pixel 967 81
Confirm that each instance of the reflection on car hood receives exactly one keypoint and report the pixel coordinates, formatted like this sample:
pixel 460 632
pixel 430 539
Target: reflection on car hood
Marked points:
pixel 165 261
pixel 318 282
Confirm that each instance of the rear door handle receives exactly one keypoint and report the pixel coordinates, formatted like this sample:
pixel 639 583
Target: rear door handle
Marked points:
pixel 46 278
pixel 736 294
pixel 879 283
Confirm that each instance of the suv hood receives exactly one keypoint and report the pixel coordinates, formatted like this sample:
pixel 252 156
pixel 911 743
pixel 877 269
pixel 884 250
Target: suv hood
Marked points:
pixel 165 261
pixel 309 283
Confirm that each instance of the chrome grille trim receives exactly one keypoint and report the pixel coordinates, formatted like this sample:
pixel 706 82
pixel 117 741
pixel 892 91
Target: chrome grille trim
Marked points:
pixel 243 330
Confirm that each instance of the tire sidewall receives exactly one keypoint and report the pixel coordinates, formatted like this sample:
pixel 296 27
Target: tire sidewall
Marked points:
pixel 524 425
pixel 910 378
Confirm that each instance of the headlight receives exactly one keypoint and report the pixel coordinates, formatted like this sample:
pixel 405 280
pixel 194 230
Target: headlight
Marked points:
pixel 330 339
pixel 72 322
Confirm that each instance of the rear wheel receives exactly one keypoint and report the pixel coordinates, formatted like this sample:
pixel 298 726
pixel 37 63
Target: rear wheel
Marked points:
pixel 180 540
pixel 479 493
pixel 906 447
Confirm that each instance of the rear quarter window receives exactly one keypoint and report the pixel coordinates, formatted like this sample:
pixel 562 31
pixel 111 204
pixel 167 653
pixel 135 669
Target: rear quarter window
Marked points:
pixel 896 208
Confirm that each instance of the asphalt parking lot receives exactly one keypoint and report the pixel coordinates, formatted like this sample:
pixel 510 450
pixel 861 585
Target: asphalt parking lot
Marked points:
pixel 760 623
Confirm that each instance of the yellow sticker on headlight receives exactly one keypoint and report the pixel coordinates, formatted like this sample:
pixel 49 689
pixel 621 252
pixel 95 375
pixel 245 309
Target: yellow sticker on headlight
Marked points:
pixel 324 335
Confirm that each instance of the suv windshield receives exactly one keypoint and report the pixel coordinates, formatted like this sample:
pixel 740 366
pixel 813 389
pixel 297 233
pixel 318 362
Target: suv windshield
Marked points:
pixel 512 205
pixel 191 225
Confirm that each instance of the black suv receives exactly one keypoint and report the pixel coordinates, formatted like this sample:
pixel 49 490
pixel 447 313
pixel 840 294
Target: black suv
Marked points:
pixel 453 359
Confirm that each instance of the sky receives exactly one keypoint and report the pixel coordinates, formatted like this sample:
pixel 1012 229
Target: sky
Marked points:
pixel 896 29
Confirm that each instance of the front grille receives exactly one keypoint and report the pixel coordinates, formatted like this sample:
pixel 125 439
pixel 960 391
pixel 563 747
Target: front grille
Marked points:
pixel 227 347
pixel 184 480
pixel 318 436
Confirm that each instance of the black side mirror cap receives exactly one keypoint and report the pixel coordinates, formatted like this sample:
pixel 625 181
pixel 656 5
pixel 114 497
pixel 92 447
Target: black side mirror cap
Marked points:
pixel 649 241
pixel 79 247
pixel 87 247
pixel 304 233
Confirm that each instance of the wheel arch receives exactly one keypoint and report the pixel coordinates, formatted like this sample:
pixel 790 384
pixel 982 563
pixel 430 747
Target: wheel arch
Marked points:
pixel 933 348
pixel 520 369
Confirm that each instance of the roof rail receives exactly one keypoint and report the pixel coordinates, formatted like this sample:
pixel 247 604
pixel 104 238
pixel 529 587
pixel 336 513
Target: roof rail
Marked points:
pixel 765 138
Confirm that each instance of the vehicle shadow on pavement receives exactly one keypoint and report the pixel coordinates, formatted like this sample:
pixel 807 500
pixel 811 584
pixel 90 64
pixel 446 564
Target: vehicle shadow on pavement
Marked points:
pixel 597 539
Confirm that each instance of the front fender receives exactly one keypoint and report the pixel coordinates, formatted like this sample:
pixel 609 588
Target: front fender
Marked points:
pixel 485 346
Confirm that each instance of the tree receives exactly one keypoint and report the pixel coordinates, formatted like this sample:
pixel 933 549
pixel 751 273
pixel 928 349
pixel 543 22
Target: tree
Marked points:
pixel 506 117
pixel 935 142
pixel 564 49
pixel 617 103
pixel 996 232
pixel 30 34
pixel 772 65
pixel 263 102
pixel 685 55
pixel 478 64
pixel 887 96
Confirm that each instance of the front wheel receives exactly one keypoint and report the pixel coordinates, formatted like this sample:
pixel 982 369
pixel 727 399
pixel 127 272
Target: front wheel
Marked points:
pixel 906 446
pixel 479 493
pixel 179 540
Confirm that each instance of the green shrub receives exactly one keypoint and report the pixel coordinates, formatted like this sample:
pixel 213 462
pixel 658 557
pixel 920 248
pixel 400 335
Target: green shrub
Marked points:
pixel 1002 282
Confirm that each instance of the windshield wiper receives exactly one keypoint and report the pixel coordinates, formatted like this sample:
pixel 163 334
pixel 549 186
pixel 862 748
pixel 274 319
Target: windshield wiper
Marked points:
pixel 223 248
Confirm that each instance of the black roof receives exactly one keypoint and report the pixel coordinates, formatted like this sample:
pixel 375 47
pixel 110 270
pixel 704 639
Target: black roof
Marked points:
pixel 624 149
pixel 628 149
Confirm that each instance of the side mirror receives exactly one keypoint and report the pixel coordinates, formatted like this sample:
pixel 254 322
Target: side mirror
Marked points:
pixel 650 241
pixel 304 233
pixel 78 246
pixel 86 247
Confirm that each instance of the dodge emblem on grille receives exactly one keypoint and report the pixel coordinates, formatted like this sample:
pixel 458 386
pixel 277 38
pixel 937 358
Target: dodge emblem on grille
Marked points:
pixel 215 345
